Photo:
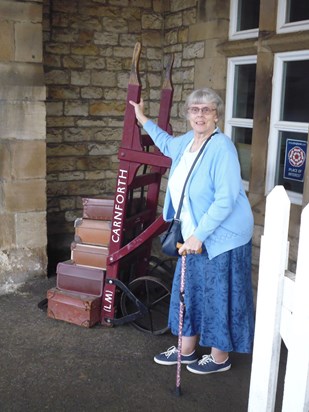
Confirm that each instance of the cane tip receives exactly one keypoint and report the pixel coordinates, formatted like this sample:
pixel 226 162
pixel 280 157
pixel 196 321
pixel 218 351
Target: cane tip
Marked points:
pixel 178 391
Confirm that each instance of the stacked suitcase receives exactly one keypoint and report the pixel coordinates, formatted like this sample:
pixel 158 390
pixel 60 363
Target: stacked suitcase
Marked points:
pixel 80 281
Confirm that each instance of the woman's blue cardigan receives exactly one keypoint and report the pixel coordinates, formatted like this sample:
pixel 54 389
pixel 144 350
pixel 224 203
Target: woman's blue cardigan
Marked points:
pixel 217 202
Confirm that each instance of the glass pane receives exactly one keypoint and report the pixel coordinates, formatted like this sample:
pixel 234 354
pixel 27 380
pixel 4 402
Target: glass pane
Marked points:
pixel 242 138
pixel 244 91
pixel 248 14
pixel 292 151
pixel 297 10
pixel 295 91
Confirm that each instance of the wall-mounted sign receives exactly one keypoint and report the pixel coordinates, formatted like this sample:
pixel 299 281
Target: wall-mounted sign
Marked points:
pixel 295 159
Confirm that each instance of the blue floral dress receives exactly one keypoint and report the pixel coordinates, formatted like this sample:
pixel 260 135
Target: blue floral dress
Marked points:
pixel 218 300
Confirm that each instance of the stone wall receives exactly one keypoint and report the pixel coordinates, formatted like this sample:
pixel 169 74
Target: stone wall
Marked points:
pixel 88 48
pixel 22 144
pixel 87 53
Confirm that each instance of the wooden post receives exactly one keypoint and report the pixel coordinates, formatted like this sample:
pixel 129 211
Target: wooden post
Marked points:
pixel 267 341
pixel 296 388
pixel 306 180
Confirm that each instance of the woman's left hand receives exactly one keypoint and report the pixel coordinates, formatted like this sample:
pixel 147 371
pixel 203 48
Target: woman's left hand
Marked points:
pixel 139 111
pixel 191 246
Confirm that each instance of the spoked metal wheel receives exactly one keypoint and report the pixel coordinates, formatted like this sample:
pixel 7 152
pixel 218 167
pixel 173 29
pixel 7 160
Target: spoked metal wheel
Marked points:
pixel 163 268
pixel 155 294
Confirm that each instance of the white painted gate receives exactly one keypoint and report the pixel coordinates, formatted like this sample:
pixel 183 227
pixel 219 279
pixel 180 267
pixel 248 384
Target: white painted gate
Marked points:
pixel 282 312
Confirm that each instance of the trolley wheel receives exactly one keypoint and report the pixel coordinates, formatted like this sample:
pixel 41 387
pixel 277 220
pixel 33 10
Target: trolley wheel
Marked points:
pixel 164 268
pixel 155 294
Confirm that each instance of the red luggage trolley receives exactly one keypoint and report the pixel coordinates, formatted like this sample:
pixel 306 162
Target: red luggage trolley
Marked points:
pixel 129 284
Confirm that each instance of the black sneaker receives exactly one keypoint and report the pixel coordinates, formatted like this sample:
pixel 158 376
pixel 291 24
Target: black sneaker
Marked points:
pixel 208 365
pixel 170 357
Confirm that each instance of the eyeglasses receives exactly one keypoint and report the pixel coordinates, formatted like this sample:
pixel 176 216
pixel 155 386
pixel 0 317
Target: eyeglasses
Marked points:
pixel 203 110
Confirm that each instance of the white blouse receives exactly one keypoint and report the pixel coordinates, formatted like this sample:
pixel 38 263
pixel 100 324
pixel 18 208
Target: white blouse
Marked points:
pixel 175 186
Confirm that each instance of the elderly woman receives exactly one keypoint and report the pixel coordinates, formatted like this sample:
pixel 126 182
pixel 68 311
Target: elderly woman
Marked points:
pixel 215 216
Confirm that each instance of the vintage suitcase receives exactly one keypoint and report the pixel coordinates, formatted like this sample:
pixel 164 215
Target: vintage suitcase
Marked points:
pixel 80 279
pixel 80 309
pixel 92 232
pixel 98 209
pixel 89 255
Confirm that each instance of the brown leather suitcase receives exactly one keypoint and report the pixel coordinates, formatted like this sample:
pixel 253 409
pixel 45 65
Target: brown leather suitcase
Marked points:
pixel 80 279
pixel 89 255
pixel 98 209
pixel 92 232
pixel 80 309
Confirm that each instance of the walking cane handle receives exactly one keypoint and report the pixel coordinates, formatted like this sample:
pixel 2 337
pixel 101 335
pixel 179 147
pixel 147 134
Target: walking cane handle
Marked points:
pixel 178 245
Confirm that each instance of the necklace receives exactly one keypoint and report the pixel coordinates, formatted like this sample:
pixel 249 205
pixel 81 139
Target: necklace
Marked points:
pixel 196 145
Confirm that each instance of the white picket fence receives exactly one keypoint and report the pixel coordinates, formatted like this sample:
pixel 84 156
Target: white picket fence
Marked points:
pixel 282 313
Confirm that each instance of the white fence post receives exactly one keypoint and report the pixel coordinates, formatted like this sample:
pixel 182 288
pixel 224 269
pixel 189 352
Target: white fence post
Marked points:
pixel 296 388
pixel 267 340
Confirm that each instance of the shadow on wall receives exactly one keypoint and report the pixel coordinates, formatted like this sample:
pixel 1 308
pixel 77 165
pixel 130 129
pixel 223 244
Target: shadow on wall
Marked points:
pixel 58 250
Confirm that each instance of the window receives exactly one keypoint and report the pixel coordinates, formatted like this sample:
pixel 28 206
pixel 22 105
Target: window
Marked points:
pixel 293 15
pixel 289 124
pixel 244 19
pixel 240 90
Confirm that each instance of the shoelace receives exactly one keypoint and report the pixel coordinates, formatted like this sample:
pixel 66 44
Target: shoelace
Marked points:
pixel 206 359
pixel 170 351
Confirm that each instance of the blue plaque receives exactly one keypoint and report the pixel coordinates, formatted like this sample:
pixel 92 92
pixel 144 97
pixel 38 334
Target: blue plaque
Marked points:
pixel 295 160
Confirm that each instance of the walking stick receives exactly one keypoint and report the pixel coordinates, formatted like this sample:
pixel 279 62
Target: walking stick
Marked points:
pixel 181 317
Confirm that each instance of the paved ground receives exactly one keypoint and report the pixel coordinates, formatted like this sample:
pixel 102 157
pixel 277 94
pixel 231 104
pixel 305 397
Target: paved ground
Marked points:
pixel 49 365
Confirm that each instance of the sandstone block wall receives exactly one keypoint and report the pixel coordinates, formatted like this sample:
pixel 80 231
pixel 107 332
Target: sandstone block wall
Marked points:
pixel 23 235
pixel 87 53
pixel 88 49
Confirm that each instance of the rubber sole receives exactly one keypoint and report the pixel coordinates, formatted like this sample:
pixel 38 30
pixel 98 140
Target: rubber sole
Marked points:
pixel 207 373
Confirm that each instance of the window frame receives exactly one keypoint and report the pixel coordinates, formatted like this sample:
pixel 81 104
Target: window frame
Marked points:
pixel 277 125
pixel 233 33
pixel 231 121
pixel 282 26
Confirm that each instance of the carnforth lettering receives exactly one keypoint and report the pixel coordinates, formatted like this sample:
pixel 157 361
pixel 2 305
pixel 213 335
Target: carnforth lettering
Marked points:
pixel 119 200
